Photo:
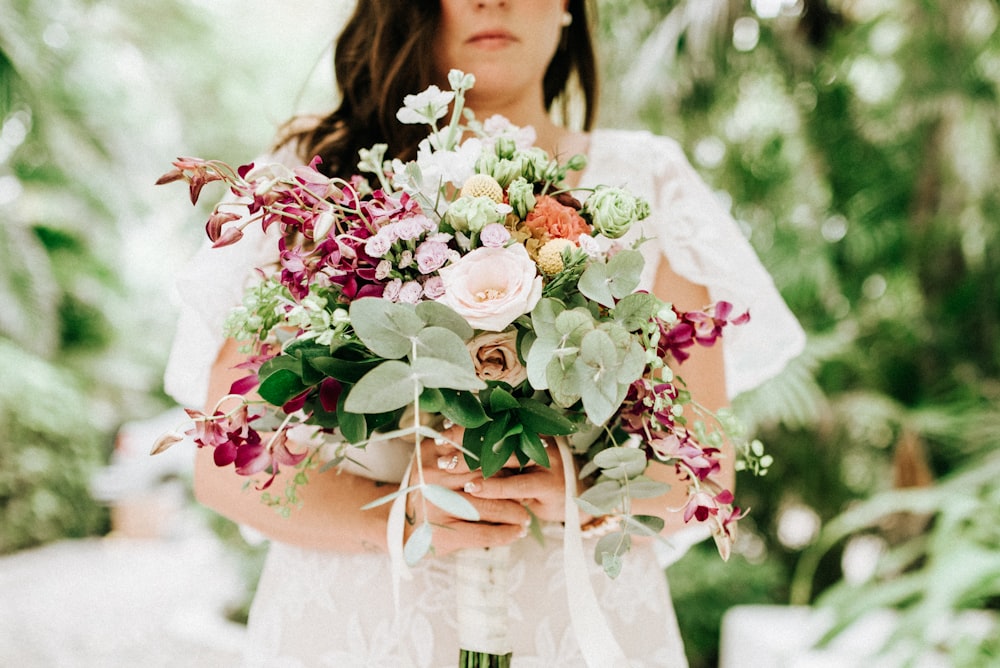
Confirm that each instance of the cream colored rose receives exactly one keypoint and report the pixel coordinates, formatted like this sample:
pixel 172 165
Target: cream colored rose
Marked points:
pixel 494 354
pixel 491 287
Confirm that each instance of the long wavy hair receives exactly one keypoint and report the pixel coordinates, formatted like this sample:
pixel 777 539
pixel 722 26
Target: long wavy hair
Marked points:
pixel 383 54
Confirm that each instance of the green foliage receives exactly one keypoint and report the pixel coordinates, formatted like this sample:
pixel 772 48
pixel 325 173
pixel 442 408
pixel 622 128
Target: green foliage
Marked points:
pixel 49 446
pixel 857 144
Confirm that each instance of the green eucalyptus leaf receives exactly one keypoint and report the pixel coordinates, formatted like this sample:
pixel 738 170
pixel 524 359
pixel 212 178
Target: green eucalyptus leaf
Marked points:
pixel 612 564
pixel 604 496
pixel 610 549
pixel 436 314
pixel 543 318
pixel 590 508
pixel 624 270
pixel 444 344
pixel 439 373
pixel 418 544
pixel 595 284
pixel 564 382
pixel 450 502
pixel 644 525
pixel 388 386
pixel 636 310
pixel 384 326
pixel 632 364
pixel 597 350
pixel 620 463
pixel 540 355
pixel 647 488
pixel 573 325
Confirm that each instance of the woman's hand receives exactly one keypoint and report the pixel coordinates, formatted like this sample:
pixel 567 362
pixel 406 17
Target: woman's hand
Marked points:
pixel 537 488
pixel 541 489
pixel 502 520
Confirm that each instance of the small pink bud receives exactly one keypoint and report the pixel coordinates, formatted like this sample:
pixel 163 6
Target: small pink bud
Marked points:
pixel 165 441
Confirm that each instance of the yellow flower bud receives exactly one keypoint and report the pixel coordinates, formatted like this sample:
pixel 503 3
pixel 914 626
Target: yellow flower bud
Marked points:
pixel 550 256
pixel 482 185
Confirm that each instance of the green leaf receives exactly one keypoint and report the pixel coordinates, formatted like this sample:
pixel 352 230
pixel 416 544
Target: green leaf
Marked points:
pixel 532 446
pixel 463 408
pixel 644 525
pixel 436 314
pixel 636 310
pixel 347 371
pixel 280 386
pixel 543 318
pixel 431 400
pixel 502 400
pixel 450 502
pixel 419 543
pixel 604 496
pixel 647 488
pixel 542 419
pixel 388 386
pixel 574 324
pixel 595 284
pixel 619 463
pixel 353 426
pixel 564 382
pixel 609 551
pixel 493 457
pixel 384 326
pixel 540 354
pixel 444 344
pixel 439 373
pixel 625 268
pixel 597 350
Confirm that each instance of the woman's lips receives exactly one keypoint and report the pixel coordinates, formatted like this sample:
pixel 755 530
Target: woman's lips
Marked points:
pixel 492 39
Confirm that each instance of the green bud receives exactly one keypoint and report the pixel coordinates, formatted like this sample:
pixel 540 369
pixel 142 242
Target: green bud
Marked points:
pixel 521 196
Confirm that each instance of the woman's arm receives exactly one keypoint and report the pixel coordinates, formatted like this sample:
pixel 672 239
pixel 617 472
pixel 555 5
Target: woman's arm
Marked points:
pixel 330 517
pixel 704 374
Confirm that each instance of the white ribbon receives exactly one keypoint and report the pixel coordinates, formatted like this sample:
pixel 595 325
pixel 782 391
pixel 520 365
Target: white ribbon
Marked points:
pixel 597 644
pixel 394 533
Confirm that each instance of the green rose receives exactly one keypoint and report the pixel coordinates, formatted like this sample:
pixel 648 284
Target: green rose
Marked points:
pixel 612 211
pixel 472 214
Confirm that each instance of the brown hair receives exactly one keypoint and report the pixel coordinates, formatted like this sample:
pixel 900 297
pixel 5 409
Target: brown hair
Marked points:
pixel 382 55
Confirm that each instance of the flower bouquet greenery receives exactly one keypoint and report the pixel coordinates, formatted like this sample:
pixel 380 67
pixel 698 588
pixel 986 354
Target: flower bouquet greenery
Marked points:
pixel 467 283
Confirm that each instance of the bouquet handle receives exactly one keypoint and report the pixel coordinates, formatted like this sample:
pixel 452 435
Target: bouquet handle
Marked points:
pixel 484 634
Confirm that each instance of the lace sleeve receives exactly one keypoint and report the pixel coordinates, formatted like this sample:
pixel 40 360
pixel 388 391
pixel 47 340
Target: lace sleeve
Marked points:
pixel 703 244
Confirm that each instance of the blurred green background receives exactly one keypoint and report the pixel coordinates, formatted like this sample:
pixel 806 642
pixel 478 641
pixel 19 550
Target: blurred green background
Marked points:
pixel 856 142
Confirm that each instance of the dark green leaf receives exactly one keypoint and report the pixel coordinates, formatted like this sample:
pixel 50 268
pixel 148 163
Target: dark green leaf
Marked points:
pixel 542 419
pixel 463 408
pixel 501 400
pixel 532 446
pixel 281 386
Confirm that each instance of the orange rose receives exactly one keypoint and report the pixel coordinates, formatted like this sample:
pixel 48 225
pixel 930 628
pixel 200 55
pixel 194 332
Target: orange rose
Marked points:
pixel 552 220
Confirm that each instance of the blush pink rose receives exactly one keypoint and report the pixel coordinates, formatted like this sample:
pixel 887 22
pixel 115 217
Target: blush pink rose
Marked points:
pixel 494 354
pixel 491 287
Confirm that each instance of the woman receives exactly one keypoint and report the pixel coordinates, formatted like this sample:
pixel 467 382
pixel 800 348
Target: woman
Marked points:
pixel 325 597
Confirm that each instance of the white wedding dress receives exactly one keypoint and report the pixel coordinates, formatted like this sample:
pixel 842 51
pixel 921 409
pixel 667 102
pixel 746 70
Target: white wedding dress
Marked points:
pixel 325 609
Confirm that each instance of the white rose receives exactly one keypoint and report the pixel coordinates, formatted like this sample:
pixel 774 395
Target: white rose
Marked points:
pixel 491 287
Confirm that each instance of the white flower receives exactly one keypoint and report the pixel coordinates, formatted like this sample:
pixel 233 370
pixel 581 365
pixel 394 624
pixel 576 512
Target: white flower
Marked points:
pixel 589 245
pixel 491 287
pixel 426 107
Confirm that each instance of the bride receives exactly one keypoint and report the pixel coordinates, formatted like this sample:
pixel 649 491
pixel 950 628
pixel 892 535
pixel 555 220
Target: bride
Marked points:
pixel 325 596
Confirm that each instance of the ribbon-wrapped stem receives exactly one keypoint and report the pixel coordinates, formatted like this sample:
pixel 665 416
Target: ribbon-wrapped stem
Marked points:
pixel 482 599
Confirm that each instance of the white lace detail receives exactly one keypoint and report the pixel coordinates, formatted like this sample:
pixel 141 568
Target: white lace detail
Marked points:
pixel 325 609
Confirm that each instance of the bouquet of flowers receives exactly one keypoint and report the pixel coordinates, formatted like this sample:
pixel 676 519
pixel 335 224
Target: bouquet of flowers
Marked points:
pixel 469 284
